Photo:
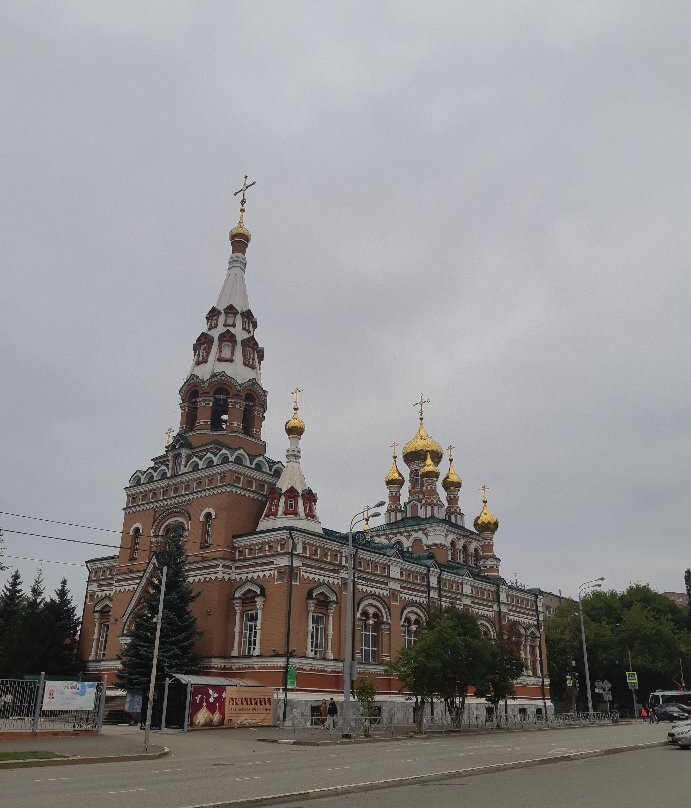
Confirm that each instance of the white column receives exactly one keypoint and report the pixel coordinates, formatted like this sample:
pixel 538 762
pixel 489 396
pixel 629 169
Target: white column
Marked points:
pixel 330 631
pixel 310 612
pixel 237 602
pixel 97 631
pixel 260 610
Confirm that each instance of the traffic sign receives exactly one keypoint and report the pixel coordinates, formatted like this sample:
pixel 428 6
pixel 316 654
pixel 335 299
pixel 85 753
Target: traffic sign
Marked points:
pixel 292 676
pixel 632 677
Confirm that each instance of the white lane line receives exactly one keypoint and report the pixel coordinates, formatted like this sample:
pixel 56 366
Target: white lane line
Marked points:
pixel 126 791
pixel 50 779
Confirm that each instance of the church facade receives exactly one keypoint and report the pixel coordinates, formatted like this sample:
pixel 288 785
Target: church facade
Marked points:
pixel 272 578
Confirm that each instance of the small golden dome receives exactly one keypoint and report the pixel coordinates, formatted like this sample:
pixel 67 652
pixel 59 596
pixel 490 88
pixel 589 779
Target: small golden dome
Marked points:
pixel 240 233
pixel 394 477
pixel 295 427
pixel 486 521
pixel 420 446
pixel 429 470
pixel 451 482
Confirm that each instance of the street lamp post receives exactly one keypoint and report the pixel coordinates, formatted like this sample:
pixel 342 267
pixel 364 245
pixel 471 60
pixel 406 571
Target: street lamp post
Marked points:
pixel 360 516
pixel 582 589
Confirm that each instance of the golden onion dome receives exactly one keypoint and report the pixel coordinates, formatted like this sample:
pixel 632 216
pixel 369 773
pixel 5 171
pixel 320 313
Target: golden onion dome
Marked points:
pixel 295 427
pixel 429 470
pixel 451 481
pixel 394 477
pixel 420 446
pixel 486 521
pixel 240 233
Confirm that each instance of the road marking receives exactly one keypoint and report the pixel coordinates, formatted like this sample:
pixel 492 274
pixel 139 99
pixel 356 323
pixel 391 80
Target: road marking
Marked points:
pixel 50 779
pixel 126 790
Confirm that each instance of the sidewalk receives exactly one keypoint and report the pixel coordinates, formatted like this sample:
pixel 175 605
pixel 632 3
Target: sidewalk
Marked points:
pixel 110 746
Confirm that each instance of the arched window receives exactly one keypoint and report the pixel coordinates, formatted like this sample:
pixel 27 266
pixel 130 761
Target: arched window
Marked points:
pixel 476 557
pixel 134 543
pixel 174 528
pixel 219 409
pixel 191 415
pixel 249 632
pixel 415 479
pixel 103 628
pixel 177 464
pixel 206 530
pixel 410 628
pixel 464 555
pixel 247 414
pixel 369 645
pixel 453 553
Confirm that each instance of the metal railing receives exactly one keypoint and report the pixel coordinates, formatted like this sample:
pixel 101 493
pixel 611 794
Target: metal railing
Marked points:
pixel 449 723
pixel 21 709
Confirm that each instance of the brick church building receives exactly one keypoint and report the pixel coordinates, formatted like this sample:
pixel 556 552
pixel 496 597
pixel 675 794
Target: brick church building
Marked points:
pixel 272 578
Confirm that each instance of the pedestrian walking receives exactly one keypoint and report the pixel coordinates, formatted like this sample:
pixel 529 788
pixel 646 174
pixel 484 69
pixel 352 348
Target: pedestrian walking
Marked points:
pixel 323 709
pixel 651 715
pixel 331 713
pixel 644 713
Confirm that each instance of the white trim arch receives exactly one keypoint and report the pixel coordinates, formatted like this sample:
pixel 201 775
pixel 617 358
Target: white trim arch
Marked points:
pixel 223 457
pixel 136 478
pixel 208 461
pixel 259 598
pixel 244 461
pixel 370 604
pixel 134 527
pixel 203 514
pixel 148 477
pixel 162 474
pixel 261 465
pixel 248 586
pixel 487 625
pixel 412 611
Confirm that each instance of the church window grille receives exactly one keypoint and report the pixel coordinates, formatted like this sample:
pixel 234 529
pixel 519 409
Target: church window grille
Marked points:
pixel 317 636
pixel 249 633
pixel 370 640
pixel 103 634
pixel 206 532
pixel 136 538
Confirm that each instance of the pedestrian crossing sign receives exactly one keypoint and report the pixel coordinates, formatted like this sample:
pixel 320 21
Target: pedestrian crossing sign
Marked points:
pixel 632 677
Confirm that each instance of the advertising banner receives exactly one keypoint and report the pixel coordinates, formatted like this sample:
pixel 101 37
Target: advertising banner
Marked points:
pixel 249 706
pixel 70 696
pixel 225 706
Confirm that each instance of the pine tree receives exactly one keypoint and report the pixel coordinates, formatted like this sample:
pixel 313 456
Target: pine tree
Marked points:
pixel 11 603
pixel 25 647
pixel 63 624
pixel 179 632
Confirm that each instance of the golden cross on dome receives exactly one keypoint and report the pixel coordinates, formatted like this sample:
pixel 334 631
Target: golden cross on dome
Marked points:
pixel 243 200
pixel 295 393
pixel 169 434
pixel 421 403
pixel 484 489
pixel 450 449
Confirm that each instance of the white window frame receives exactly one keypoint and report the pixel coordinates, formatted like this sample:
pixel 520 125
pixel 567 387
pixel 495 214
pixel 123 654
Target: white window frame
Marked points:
pixel 369 641
pixel 250 620
pixel 317 634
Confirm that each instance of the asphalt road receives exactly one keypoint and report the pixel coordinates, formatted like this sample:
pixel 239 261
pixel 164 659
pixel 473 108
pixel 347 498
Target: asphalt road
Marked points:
pixel 645 779
pixel 213 767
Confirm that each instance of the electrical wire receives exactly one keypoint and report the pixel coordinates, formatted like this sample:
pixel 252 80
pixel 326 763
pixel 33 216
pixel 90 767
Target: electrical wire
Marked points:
pixel 56 522
pixel 59 538
pixel 44 560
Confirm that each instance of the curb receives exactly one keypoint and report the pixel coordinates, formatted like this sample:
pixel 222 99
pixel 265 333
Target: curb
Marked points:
pixel 394 782
pixel 75 761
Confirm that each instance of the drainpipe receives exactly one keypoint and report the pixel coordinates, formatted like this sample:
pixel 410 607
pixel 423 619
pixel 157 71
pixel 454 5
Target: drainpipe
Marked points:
pixel 288 614
pixel 542 667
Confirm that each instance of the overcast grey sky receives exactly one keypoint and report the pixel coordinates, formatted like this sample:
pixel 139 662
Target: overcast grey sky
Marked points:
pixel 486 202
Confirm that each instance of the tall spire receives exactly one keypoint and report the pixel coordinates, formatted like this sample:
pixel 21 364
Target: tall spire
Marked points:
pixel 292 503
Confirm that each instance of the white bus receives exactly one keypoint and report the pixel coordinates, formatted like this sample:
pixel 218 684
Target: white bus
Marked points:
pixel 658 697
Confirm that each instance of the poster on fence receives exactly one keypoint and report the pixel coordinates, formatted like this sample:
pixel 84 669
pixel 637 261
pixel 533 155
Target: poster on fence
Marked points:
pixel 70 696
pixel 225 706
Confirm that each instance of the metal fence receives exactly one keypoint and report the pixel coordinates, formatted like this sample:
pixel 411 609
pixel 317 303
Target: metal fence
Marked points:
pixel 449 723
pixel 21 709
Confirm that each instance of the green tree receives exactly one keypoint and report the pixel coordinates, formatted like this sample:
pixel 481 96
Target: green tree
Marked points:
pixel 504 667
pixel 11 603
pixel 179 632
pixel 365 691
pixel 27 644
pixel 61 618
pixel 450 657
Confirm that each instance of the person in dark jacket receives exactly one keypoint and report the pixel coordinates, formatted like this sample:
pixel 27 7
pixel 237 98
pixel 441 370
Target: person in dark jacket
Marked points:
pixel 331 713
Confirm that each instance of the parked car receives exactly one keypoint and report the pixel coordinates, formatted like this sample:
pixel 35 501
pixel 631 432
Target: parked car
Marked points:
pixel 683 738
pixel 671 712
pixel 675 729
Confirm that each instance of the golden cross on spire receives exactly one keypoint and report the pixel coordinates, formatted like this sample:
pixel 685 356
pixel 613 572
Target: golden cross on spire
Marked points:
pixel 450 449
pixel 295 393
pixel 421 404
pixel 394 446
pixel 484 489
pixel 243 199
pixel 169 434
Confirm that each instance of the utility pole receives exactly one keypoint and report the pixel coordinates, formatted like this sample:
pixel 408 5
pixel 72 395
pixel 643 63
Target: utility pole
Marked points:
pixel 633 687
pixel 152 681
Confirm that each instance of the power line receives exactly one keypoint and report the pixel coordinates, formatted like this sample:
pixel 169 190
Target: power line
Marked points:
pixel 59 538
pixel 44 560
pixel 56 522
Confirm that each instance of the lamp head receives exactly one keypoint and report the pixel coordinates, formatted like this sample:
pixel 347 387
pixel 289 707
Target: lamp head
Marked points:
pixel 381 504
pixel 376 513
